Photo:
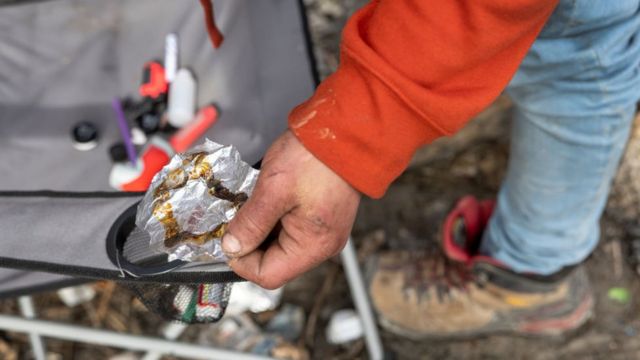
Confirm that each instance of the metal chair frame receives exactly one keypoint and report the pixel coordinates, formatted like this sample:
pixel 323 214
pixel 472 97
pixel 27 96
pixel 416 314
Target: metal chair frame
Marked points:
pixel 156 347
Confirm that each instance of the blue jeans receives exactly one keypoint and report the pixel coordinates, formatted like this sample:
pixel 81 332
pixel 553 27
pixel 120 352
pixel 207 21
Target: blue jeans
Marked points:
pixel 575 96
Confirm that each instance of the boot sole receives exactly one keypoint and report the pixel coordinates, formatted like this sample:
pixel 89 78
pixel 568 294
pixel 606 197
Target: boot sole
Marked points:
pixel 559 327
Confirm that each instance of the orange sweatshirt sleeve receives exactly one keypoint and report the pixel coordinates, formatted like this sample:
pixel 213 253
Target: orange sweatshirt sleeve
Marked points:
pixel 412 71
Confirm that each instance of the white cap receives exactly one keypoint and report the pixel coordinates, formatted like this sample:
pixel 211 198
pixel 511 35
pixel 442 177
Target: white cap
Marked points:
pixel 170 56
pixel 344 326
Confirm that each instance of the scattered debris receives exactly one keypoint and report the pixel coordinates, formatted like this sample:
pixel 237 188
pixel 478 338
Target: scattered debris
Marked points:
pixel 615 249
pixel 634 247
pixel 105 298
pixel 127 355
pixel 232 332
pixel 240 333
pixel 249 296
pixel 8 351
pixel 288 322
pixel 630 331
pixel 619 294
pixel 327 285
pixel 76 295
pixel 344 326
pixel 289 352
pixel 371 243
pixel 54 356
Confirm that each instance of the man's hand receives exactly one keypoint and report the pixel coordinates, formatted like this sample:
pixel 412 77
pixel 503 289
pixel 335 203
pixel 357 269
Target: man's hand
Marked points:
pixel 315 207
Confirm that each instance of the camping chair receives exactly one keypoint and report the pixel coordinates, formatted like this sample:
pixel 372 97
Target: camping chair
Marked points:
pixel 61 62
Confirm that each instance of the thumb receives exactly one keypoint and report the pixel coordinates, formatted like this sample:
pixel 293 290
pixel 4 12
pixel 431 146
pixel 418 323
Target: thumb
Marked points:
pixel 254 221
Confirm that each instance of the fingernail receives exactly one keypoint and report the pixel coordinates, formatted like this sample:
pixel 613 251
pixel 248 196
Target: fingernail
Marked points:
pixel 230 244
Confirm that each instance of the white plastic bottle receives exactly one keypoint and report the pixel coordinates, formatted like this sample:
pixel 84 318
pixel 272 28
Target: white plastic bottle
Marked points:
pixel 182 99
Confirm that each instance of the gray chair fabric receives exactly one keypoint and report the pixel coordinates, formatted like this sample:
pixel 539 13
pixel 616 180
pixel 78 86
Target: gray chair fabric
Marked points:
pixel 62 61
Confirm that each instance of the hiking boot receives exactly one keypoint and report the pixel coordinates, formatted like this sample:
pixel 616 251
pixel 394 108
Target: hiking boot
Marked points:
pixel 461 293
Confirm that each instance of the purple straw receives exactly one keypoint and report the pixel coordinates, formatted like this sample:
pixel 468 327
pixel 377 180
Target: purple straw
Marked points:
pixel 124 130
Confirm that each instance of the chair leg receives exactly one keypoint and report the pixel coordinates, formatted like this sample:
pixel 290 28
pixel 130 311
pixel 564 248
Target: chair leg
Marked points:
pixel 25 303
pixel 361 300
pixel 171 331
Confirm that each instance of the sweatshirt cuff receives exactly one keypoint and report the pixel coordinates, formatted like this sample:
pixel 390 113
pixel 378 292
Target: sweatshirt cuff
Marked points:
pixel 360 128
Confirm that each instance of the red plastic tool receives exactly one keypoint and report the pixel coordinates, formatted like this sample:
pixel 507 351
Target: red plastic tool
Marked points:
pixel 185 137
pixel 154 83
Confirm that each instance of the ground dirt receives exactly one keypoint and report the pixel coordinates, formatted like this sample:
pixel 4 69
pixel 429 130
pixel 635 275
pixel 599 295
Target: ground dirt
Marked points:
pixel 409 217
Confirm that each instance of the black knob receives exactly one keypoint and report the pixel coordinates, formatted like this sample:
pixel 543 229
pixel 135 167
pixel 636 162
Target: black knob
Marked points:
pixel 149 123
pixel 84 135
pixel 118 152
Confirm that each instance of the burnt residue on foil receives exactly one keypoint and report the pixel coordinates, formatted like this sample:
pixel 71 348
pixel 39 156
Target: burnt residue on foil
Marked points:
pixel 192 199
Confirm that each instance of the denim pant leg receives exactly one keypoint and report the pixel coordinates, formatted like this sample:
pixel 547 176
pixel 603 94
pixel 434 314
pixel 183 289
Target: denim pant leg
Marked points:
pixel 574 96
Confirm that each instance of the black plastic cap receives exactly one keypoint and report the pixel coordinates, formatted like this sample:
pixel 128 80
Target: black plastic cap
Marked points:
pixel 118 152
pixel 84 132
pixel 149 123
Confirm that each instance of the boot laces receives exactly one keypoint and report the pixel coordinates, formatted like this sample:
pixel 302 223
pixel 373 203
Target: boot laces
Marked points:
pixel 432 269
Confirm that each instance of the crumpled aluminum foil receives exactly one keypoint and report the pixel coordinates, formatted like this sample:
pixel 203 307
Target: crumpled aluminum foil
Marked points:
pixel 190 201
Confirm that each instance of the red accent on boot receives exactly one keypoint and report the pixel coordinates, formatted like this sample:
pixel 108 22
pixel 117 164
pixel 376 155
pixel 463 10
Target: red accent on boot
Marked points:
pixel 475 215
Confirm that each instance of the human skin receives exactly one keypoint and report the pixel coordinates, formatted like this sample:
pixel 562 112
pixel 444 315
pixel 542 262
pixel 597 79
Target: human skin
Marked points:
pixel 314 207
